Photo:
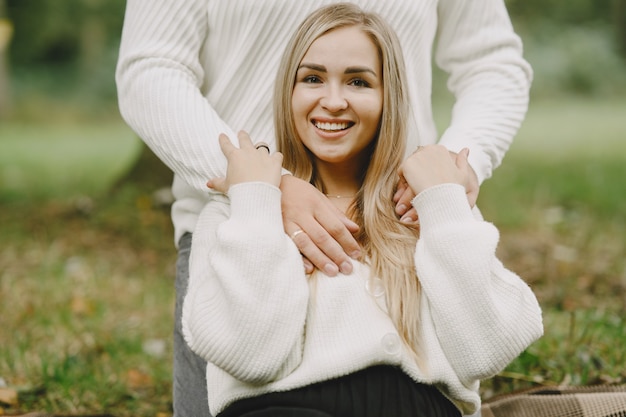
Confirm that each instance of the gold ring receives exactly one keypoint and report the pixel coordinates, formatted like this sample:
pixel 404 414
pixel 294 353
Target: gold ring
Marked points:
pixel 296 233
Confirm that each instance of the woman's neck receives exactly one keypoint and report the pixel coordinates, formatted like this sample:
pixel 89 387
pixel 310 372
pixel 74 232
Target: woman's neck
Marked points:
pixel 340 189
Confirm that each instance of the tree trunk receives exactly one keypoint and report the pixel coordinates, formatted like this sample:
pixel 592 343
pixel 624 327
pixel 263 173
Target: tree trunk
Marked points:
pixel 147 173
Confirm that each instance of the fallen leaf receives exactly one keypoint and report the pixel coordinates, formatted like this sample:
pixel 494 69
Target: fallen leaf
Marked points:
pixel 138 379
pixel 81 306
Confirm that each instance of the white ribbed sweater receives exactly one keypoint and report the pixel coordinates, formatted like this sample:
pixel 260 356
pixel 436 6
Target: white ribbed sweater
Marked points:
pixel 191 69
pixel 251 314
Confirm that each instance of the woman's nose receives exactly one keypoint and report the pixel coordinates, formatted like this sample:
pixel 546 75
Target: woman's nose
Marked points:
pixel 334 99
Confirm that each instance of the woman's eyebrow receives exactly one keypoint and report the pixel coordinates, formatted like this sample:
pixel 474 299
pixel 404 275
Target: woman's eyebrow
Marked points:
pixel 356 70
pixel 349 70
pixel 314 67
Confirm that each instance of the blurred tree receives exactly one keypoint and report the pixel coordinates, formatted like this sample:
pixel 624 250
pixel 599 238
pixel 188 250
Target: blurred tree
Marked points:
pixel 571 12
pixel 92 37
pixel 147 172
pixel 55 32
pixel 619 17
pixel 6 32
pixel 66 49
pixel 47 31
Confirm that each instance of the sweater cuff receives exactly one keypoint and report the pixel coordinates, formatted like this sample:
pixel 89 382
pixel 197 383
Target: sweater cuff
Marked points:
pixel 442 204
pixel 256 203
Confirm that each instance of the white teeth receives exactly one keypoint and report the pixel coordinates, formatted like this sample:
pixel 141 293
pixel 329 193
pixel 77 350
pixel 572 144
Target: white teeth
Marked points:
pixel 331 126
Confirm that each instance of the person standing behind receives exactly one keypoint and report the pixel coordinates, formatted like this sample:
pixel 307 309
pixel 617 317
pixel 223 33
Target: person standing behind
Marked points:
pixel 428 310
pixel 191 69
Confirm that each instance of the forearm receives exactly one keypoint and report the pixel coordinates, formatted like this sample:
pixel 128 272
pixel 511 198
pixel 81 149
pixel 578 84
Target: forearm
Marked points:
pixel 484 314
pixel 159 78
pixel 489 78
pixel 248 295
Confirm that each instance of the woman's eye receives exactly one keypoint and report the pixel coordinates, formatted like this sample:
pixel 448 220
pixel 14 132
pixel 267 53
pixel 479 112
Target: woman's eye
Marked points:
pixel 358 82
pixel 311 79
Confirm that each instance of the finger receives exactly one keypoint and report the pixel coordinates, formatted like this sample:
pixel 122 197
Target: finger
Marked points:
pixel 461 159
pixel 312 253
pixel 335 241
pixel 262 146
pixel 225 145
pixel 325 244
pixel 308 266
pixel 340 228
pixel 278 157
pixel 350 225
pixel 410 216
pixel 402 186
pixel 218 184
pixel 404 202
pixel 244 140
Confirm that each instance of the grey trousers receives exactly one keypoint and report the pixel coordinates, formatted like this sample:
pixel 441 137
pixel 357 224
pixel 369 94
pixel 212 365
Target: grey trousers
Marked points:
pixel 189 385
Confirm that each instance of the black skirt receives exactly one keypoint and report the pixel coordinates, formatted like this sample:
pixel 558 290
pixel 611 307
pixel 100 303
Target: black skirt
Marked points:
pixel 379 391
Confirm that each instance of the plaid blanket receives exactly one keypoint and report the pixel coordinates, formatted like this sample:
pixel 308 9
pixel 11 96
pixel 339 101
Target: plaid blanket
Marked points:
pixel 592 401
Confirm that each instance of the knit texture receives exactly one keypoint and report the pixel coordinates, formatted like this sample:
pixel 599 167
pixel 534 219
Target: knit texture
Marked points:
pixel 189 70
pixel 262 326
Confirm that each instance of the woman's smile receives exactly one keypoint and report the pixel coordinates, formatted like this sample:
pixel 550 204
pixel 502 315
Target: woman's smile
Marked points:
pixel 332 128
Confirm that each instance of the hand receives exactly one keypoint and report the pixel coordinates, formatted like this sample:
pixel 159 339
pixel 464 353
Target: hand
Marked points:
pixel 247 164
pixel 404 194
pixel 433 165
pixel 327 237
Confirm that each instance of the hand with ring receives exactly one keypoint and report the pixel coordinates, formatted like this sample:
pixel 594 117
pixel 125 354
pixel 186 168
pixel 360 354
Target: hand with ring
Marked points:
pixel 322 233
pixel 262 145
pixel 246 164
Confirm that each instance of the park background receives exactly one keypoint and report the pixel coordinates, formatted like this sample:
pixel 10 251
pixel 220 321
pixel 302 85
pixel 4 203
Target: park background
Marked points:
pixel 86 251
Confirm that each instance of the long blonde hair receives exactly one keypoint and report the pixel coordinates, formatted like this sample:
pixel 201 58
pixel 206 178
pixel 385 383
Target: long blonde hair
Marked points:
pixel 388 244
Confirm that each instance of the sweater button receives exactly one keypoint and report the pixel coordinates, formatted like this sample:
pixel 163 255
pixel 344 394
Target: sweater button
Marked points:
pixel 375 287
pixel 391 343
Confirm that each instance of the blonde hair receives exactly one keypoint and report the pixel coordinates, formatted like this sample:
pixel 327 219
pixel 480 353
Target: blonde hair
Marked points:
pixel 388 244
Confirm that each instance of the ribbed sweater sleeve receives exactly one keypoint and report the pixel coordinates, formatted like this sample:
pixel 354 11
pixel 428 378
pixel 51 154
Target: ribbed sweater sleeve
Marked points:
pixel 160 78
pixel 488 77
pixel 247 299
pixel 484 315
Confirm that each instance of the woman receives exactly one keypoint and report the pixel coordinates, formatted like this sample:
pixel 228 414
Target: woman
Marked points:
pixel 190 69
pixel 426 313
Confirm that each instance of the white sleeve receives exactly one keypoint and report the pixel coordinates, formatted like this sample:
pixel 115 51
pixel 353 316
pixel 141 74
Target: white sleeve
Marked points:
pixel 484 315
pixel 245 309
pixel 159 79
pixel 488 77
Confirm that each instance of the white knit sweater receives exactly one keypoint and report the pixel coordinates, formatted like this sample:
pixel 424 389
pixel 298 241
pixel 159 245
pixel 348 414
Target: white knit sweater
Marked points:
pixel 251 314
pixel 191 69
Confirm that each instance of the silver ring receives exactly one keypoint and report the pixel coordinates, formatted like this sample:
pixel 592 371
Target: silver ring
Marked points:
pixel 296 233
pixel 263 145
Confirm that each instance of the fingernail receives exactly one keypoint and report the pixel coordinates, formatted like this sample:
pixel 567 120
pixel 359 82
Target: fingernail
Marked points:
pixel 406 219
pixel 401 208
pixel 331 270
pixel 356 254
pixel 346 268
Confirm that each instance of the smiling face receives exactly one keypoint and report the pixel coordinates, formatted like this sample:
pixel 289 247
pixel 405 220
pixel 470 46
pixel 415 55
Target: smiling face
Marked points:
pixel 337 98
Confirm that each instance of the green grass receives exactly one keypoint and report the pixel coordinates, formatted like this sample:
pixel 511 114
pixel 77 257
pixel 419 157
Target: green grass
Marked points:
pixel 86 276
pixel 45 161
